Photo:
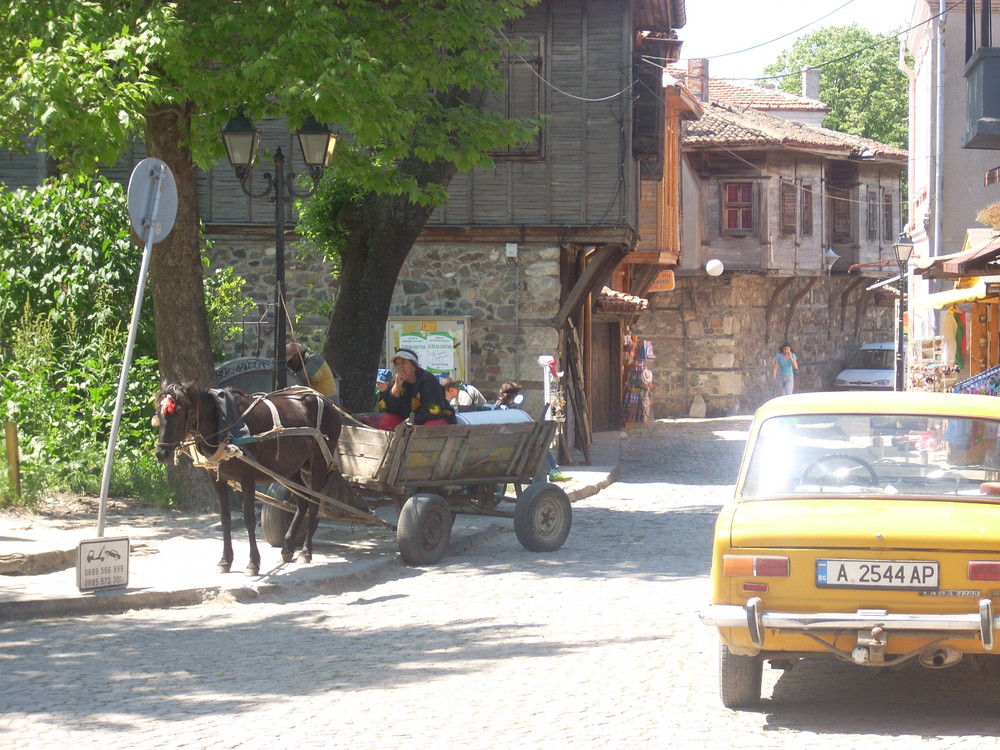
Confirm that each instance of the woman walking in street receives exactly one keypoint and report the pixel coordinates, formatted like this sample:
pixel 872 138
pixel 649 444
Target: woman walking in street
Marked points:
pixel 786 364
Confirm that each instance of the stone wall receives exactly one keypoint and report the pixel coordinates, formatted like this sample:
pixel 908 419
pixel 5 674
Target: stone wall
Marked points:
pixel 510 303
pixel 717 337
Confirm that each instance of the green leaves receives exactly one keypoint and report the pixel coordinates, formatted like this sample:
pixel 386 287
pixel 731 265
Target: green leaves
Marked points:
pixel 67 285
pixel 89 72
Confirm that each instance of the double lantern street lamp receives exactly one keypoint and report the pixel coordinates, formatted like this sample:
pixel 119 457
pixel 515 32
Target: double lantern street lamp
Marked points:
pixel 903 247
pixel 317 142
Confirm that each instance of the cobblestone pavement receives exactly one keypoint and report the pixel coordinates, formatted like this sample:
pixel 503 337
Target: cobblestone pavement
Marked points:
pixel 596 645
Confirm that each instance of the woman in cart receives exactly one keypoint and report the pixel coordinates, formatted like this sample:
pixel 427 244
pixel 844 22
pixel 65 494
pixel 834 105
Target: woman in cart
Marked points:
pixel 415 394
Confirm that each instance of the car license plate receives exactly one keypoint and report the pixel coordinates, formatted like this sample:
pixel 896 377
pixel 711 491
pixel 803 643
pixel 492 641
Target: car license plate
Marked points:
pixel 877 574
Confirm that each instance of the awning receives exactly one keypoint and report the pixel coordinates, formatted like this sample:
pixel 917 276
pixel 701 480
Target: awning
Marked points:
pixel 965 263
pixel 610 300
pixel 966 290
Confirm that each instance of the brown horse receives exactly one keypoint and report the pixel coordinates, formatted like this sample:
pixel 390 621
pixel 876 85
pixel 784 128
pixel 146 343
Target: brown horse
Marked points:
pixel 292 433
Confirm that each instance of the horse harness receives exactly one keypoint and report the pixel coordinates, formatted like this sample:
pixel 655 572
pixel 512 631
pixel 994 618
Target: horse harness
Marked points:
pixel 229 446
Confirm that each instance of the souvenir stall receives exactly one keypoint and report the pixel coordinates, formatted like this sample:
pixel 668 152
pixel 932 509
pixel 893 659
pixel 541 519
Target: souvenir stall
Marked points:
pixel 638 382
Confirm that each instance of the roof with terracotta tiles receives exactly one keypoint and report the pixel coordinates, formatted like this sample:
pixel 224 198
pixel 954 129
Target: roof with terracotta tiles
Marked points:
pixel 725 126
pixel 763 99
pixel 741 96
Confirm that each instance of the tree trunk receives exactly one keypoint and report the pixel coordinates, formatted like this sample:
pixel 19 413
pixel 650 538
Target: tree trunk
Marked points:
pixel 176 281
pixel 381 231
pixel 182 341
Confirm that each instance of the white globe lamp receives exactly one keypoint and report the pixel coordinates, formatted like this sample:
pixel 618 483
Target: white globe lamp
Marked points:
pixel 714 267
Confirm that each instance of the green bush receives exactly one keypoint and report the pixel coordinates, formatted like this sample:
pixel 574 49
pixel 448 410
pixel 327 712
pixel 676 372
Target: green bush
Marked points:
pixel 68 272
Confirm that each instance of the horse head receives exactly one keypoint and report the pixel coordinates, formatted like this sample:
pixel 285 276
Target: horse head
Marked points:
pixel 176 417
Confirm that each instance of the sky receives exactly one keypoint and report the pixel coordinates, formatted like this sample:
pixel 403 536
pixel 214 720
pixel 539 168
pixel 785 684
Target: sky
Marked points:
pixel 718 27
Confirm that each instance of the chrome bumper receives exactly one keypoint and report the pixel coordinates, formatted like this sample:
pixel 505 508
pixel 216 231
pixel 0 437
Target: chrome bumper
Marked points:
pixel 982 623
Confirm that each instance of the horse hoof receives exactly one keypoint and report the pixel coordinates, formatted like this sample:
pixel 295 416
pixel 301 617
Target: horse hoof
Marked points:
pixel 305 557
pixel 286 557
pixel 222 567
pixel 253 570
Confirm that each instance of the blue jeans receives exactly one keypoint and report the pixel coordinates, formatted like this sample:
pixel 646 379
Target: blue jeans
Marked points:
pixel 786 384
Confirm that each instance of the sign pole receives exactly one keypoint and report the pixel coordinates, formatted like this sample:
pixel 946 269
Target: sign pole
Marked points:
pixel 155 176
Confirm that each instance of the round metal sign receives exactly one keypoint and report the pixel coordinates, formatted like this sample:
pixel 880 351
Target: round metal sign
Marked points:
pixel 149 176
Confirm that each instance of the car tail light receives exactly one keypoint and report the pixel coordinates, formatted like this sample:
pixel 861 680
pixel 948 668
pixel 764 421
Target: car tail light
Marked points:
pixel 984 570
pixel 754 565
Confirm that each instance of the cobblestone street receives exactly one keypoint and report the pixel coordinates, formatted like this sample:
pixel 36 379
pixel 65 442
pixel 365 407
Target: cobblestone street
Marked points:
pixel 596 645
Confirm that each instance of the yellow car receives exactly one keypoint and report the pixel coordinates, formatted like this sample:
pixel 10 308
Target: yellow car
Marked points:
pixel 865 527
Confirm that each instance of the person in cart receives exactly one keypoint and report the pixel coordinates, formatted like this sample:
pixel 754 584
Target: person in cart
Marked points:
pixel 312 370
pixel 462 394
pixel 415 394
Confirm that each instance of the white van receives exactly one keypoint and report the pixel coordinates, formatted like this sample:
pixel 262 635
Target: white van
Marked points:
pixel 873 367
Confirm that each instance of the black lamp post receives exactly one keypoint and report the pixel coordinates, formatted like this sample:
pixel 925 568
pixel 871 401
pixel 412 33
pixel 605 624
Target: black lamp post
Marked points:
pixel 903 248
pixel 242 140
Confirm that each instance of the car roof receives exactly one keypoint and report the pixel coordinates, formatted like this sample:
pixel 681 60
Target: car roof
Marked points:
pixel 880 345
pixel 916 403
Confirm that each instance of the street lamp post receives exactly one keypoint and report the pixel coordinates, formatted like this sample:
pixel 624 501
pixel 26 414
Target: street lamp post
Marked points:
pixel 903 248
pixel 242 140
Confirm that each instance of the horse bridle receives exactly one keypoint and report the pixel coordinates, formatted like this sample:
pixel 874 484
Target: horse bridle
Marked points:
pixel 193 416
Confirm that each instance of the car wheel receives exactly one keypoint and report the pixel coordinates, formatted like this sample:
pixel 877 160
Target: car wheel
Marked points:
pixel 739 678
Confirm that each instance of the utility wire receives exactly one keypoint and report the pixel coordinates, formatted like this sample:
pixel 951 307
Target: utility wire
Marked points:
pixel 779 38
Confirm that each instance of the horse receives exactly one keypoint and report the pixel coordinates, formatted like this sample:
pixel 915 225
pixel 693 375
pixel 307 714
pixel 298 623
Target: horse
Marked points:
pixel 200 422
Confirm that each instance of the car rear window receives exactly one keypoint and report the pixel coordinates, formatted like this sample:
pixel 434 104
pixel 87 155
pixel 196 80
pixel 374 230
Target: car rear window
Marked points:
pixel 850 454
pixel 873 359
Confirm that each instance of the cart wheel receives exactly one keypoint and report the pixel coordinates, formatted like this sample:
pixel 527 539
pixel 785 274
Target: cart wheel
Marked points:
pixel 274 521
pixel 424 529
pixel 739 678
pixel 542 517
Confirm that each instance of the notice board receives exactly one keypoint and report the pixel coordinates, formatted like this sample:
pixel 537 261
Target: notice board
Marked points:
pixel 441 343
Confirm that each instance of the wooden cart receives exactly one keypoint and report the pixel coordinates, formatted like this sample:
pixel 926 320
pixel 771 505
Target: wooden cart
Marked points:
pixel 430 473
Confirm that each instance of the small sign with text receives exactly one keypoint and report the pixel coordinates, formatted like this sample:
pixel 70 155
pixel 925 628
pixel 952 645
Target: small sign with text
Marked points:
pixel 102 564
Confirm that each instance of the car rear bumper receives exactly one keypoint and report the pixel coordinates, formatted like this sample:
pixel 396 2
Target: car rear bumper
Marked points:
pixel 757 621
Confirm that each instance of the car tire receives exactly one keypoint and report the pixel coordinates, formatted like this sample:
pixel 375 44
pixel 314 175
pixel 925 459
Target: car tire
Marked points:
pixel 739 678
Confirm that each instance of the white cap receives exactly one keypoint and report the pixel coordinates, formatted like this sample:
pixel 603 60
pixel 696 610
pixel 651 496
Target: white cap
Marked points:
pixel 405 354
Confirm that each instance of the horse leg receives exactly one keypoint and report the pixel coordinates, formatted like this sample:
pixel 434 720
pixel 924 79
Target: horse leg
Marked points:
pixel 222 490
pixel 312 521
pixel 288 544
pixel 250 521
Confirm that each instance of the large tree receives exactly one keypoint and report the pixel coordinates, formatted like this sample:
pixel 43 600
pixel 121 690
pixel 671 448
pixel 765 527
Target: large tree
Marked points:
pixel 402 79
pixel 860 80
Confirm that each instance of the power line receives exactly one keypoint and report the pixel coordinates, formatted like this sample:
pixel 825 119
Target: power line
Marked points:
pixel 779 38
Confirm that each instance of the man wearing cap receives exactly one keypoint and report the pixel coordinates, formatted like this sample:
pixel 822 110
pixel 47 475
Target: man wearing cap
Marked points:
pixel 415 392
pixel 312 370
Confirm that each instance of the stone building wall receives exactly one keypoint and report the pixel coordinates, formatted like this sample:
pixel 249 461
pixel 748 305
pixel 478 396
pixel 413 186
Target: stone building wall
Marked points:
pixel 510 304
pixel 717 337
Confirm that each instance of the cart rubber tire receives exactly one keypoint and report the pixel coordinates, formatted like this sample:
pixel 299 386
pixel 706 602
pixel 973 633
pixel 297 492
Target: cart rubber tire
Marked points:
pixel 274 521
pixel 424 529
pixel 542 517
pixel 739 678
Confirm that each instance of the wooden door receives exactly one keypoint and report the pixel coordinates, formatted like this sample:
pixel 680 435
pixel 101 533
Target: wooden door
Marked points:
pixel 606 376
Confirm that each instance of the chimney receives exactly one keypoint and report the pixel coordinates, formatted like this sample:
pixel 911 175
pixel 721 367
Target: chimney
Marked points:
pixel 697 78
pixel 810 82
